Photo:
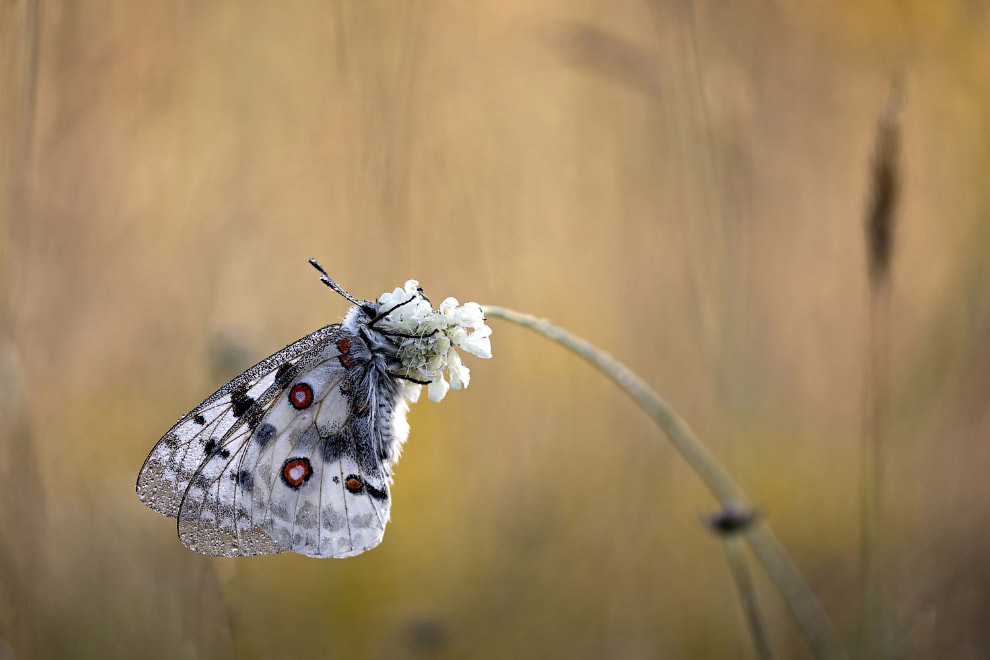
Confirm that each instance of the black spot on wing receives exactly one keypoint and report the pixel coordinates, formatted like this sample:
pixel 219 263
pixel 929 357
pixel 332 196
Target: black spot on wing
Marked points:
pixel 240 402
pixel 285 374
pixel 225 453
pixel 381 495
pixel 336 446
pixel 210 447
pixel 254 417
pixel 264 434
pixel 244 479
pixel 199 419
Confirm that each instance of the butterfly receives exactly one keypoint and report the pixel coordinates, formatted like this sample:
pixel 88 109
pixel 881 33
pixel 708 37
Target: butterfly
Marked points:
pixel 295 454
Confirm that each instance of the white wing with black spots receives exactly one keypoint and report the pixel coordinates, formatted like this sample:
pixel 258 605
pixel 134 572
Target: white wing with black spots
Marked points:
pixel 307 478
pixel 167 471
pixel 302 466
pixel 217 514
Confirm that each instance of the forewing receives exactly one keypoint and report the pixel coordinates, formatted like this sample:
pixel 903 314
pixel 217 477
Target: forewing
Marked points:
pixel 304 478
pixel 170 466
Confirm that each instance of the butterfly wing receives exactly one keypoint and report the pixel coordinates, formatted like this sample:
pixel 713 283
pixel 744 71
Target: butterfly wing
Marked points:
pixel 288 456
pixel 308 476
pixel 166 472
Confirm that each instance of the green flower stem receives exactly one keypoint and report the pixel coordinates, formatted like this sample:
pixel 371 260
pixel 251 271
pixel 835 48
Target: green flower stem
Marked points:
pixel 800 599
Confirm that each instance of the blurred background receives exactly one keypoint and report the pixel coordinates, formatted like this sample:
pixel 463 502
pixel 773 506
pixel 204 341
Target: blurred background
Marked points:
pixel 685 184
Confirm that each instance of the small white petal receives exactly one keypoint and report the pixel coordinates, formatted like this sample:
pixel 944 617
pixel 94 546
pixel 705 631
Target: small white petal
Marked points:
pixel 471 315
pixel 478 342
pixel 460 375
pixel 481 347
pixel 438 389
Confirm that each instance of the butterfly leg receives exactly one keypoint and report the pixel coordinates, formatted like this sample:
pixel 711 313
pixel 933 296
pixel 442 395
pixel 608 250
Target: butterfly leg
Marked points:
pixel 406 336
pixel 382 315
pixel 411 380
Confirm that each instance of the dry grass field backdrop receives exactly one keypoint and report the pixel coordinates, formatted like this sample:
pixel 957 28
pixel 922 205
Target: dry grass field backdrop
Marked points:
pixel 685 184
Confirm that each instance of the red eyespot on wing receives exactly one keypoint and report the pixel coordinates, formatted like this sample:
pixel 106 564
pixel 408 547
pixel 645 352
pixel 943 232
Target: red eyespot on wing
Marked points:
pixel 301 396
pixel 353 484
pixel 344 345
pixel 296 472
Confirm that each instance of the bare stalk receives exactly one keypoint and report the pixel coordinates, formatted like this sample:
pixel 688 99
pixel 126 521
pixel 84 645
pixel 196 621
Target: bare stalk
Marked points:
pixel 747 596
pixel 800 599
pixel 730 524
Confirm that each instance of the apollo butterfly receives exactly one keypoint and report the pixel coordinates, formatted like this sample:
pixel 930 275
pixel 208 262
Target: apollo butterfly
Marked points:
pixel 295 454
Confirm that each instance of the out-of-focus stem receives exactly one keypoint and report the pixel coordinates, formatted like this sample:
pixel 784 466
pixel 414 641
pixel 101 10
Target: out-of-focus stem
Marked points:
pixel 747 595
pixel 800 599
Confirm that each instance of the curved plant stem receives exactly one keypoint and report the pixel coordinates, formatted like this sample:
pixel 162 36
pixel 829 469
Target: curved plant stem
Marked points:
pixel 747 594
pixel 800 599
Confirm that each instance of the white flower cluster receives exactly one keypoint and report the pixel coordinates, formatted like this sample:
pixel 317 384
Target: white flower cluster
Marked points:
pixel 435 336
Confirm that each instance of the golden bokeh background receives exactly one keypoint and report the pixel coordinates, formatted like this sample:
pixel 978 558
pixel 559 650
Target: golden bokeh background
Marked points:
pixel 682 183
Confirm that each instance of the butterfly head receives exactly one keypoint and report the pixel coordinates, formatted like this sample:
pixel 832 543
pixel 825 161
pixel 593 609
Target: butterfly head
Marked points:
pixel 369 309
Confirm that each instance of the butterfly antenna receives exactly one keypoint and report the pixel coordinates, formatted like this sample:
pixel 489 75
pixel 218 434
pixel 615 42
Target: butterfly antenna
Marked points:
pixel 330 283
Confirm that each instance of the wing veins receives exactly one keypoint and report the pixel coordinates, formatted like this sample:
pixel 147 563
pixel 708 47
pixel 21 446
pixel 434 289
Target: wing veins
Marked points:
pixel 265 399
